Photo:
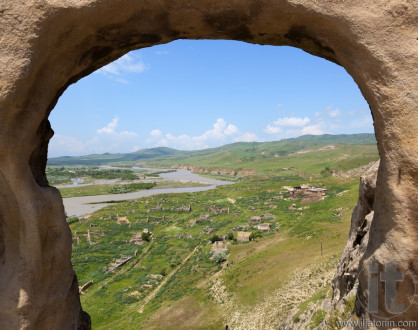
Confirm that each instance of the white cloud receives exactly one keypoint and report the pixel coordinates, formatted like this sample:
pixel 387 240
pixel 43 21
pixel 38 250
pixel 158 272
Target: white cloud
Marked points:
pixel 126 133
pixel 161 52
pixel 109 128
pixel 121 68
pixel 155 132
pixel 272 129
pixel 334 113
pixel 247 137
pixel 121 80
pixel 66 145
pixel 135 148
pixel 70 144
pixel 362 122
pixel 92 142
pixel 292 121
pixel 231 130
pixel 219 134
pixel 220 131
pixel 128 63
pixel 332 120
pixel 312 129
pixel 106 139
pixel 162 143
pixel 295 126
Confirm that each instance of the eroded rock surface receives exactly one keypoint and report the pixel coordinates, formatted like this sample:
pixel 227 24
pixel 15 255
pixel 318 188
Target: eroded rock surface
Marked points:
pixel 46 45
pixel 361 219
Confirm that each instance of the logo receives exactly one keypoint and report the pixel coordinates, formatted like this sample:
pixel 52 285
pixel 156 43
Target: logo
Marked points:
pixel 387 282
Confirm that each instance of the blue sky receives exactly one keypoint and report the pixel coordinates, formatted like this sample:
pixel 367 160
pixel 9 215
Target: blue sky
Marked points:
pixel 198 94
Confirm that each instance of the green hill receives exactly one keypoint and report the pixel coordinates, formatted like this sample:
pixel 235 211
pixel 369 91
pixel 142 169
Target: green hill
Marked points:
pixel 107 158
pixel 236 155
pixel 162 269
pixel 307 154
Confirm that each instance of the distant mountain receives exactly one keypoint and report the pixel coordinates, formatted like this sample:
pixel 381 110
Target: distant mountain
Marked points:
pixel 361 138
pixel 239 150
pixel 106 158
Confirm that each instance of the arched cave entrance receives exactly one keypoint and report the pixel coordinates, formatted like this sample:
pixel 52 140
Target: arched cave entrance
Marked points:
pixel 48 46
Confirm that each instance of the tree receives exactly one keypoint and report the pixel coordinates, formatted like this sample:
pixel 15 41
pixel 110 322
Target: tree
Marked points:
pixel 214 238
pixel 220 257
pixel 230 236
pixel 146 236
pixel 255 235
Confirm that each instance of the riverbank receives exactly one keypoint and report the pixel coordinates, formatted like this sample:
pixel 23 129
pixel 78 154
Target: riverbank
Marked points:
pixel 80 206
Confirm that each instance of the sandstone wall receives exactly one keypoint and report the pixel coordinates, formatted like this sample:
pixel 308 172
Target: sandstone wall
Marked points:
pixel 358 238
pixel 46 45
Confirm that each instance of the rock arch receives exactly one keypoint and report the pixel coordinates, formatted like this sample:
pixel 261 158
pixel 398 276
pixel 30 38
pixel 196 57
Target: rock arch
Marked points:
pixel 47 45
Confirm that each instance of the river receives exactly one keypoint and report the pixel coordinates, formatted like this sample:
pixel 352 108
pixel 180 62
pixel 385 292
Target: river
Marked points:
pixel 80 206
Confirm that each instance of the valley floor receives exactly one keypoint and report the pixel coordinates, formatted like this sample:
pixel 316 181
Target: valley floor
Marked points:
pixel 174 278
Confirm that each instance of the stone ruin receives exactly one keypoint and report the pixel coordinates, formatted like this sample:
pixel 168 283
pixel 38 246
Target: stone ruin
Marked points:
pixel 118 262
pixel 45 46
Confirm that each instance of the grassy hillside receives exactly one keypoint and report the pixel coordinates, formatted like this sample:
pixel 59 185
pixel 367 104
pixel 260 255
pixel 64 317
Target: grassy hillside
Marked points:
pixel 242 155
pixel 307 157
pixel 174 279
pixel 206 292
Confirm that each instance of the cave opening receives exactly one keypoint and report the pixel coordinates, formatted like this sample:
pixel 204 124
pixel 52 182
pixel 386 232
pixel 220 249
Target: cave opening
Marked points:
pixel 205 82
pixel 48 47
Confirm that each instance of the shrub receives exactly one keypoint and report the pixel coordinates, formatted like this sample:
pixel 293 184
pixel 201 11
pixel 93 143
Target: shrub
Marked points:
pixel 101 292
pixel 214 238
pixel 72 220
pixel 146 236
pixel 230 236
pixel 130 187
pixel 255 235
pixel 326 172
pixel 220 257
pixel 318 317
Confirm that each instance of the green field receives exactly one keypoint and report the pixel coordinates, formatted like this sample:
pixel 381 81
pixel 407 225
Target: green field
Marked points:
pixel 106 189
pixel 63 174
pixel 126 180
pixel 255 269
pixel 251 285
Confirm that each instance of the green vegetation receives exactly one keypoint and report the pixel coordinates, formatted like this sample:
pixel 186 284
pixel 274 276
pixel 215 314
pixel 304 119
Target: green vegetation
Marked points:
pixel 92 190
pixel 215 238
pixel 341 316
pixel 171 245
pixel 256 234
pixel 318 317
pixel 254 267
pixel 303 307
pixel 107 158
pixel 289 157
pixel 60 174
pixel 72 220
pixel 326 172
pixel 157 173
pixel 130 187
pixel 146 236
pixel 302 153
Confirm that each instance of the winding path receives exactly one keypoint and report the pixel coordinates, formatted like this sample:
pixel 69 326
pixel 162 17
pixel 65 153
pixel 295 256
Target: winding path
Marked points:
pixel 158 288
